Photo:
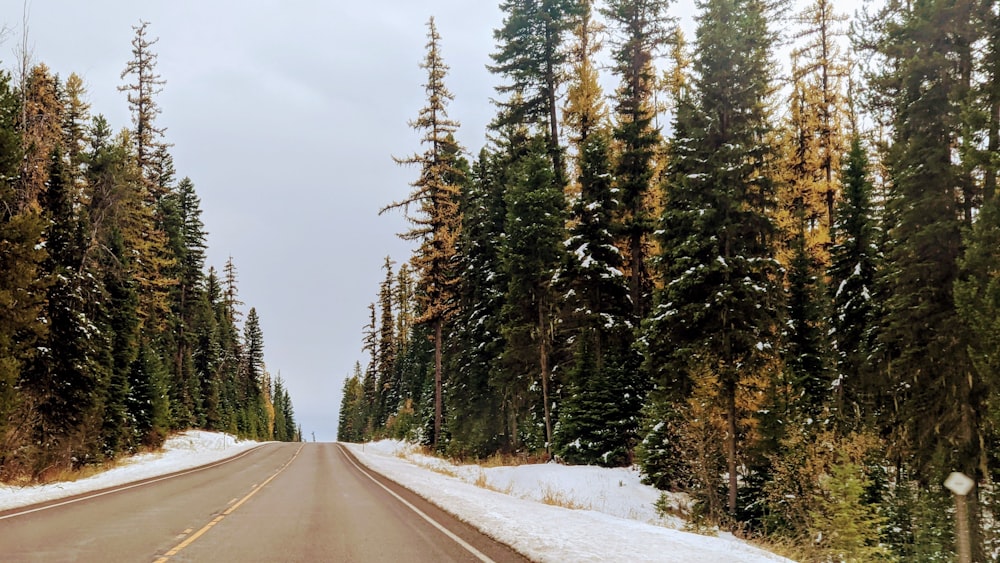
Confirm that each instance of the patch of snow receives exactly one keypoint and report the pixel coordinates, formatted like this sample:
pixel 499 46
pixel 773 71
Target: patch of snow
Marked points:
pixel 180 452
pixel 613 516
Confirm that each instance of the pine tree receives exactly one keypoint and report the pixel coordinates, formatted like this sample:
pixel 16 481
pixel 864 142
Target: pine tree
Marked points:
pixel 717 307
pixel 991 94
pixel 938 396
pixel 977 300
pixel 436 192
pixel 531 55
pixel 640 29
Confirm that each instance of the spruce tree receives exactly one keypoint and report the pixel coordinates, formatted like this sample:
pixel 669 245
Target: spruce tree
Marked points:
pixel 252 378
pixel 598 418
pixel 208 353
pixel 805 345
pixel 351 422
pixel 109 213
pixel 66 379
pixel 369 383
pixel 718 305
pixel 148 400
pixel 854 261
pixel 481 411
pixel 534 253
pixel 186 236
pixel 389 396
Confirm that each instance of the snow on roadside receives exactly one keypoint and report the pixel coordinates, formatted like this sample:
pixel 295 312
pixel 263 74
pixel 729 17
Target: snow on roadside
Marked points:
pixel 613 517
pixel 182 451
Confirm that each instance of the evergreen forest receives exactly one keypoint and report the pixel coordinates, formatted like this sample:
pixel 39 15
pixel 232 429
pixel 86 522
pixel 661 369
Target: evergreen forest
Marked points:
pixel 112 332
pixel 761 264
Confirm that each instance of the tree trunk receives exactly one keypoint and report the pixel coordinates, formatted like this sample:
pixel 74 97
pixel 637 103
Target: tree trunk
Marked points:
pixel 731 443
pixel 543 360
pixel 636 278
pixel 437 381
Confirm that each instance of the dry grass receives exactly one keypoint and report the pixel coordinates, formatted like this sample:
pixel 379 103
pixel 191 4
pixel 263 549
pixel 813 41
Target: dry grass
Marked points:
pixel 513 460
pixel 558 498
pixel 440 469
pixel 70 475
pixel 483 483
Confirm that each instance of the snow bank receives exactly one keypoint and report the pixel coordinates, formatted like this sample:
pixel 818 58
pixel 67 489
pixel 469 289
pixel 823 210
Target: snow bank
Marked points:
pixel 612 517
pixel 182 451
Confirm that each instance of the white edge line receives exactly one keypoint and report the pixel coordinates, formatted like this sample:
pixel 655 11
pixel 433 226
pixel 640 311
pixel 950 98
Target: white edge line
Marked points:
pixel 480 555
pixel 132 486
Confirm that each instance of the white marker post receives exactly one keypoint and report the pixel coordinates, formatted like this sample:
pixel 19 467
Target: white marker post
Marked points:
pixel 961 485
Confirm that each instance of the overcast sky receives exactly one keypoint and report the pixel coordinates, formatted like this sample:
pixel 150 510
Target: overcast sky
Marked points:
pixel 285 115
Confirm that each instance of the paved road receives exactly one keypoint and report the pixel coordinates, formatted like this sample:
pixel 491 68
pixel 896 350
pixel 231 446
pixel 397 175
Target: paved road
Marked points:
pixel 279 502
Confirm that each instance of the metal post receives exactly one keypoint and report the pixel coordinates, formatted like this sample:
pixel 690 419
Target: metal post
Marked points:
pixel 960 484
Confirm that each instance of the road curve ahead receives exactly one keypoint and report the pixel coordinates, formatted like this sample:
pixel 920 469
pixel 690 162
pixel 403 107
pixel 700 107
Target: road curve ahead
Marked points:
pixel 280 502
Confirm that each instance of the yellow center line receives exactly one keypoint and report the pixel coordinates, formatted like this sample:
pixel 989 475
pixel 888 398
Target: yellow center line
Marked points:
pixel 166 556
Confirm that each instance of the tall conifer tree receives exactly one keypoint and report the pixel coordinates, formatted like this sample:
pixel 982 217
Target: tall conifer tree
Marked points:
pixel 436 192
pixel 533 256
pixel 141 93
pixel 387 381
pixel 531 55
pixel 854 261
pixel 640 29
pixel 482 411
pixel 937 393
pixel 66 378
pixel 21 293
pixel 717 309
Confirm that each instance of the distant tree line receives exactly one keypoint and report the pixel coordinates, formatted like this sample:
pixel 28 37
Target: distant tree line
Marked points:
pixel 112 334
pixel 778 292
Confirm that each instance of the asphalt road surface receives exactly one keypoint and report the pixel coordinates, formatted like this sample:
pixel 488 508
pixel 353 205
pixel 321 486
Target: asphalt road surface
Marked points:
pixel 278 502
